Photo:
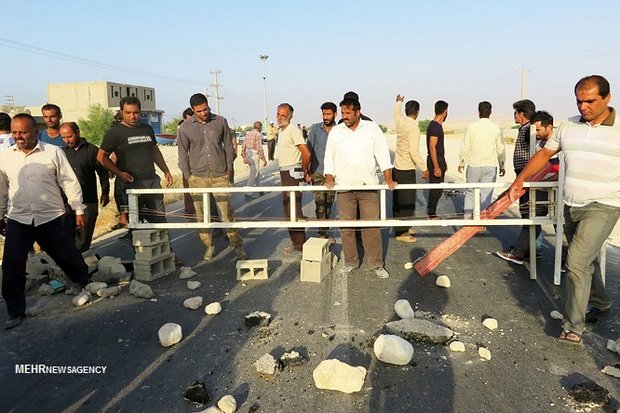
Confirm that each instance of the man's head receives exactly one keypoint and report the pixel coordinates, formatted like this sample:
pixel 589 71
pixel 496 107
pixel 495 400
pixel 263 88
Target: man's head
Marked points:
pixel 200 106
pixel 543 122
pixel 130 111
pixel 329 111
pixel 51 115
pixel 350 111
pixel 187 113
pixel 258 125
pixel 24 131
pixel 70 133
pixel 484 109
pixel 412 108
pixel 5 122
pixel 284 114
pixel 524 110
pixel 593 95
pixel 351 95
pixel 441 109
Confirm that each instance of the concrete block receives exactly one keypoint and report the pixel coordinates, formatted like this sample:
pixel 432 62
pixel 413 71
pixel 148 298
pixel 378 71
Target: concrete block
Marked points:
pixel 252 270
pixel 149 236
pixel 151 252
pixel 313 271
pixel 157 268
pixel 315 249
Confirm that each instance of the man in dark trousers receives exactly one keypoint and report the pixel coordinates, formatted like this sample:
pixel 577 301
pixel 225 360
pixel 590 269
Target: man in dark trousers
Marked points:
pixel 436 160
pixel 83 159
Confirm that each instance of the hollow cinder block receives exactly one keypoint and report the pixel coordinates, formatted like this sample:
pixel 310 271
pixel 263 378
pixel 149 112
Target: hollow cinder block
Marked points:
pixel 313 271
pixel 146 237
pixel 252 270
pixel 157 268
pixel 151 252
pixel 315 249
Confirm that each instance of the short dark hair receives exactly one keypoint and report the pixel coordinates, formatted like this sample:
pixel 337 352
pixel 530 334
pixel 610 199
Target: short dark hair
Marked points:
pixel 440 107
pixel 5 121
pixel 74 126
pixel 351 103
pixel 51 106
pixel 29 117
pixel 412 107
pixel 351 95
pixel 329 106
pixel 525 106
pixel 130 100
pixel 484 109
pixel 287 106
pixel 187 112
pixel 197 99
pixel 600 81
pixel 543 117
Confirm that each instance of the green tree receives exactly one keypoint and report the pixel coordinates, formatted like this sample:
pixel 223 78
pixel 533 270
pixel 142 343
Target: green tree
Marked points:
pixel 99 120
pixel 383 128
pixel 423 124
pixel 170 127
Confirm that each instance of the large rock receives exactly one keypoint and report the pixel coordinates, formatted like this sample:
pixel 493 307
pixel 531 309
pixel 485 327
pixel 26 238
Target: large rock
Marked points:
pixel 213 308
pixel 140 290
pixel 186 272
pixel 393 349
pixel 422 330
pixel 170 334
pixel 490 323
pixel 193 303
pixel 443 281
pixel 192 285
pixel 333 374
pixel 267 365
pixel 227 404
pixel 403 309
pixel 109 291
pixel 457 346
pixel 110 265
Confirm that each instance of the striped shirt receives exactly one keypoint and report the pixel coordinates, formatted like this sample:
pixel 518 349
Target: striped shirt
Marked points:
pixel 592 155
pixel 253 140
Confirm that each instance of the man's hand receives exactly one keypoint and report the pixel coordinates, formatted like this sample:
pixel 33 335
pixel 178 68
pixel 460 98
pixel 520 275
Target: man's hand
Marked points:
pixel 105 200
pixel 514 190
pixel 125 177
pixel 437 172
pixel 169 179
pixel 80 221
pixel 391 185
pixel 399 98
pixel 329 182
pixel 461 168
pixel 308 178
pixel 425 175
pixel 502 172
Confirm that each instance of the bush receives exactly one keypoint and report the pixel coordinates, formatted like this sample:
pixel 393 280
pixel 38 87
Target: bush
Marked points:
pixel 423 124
pixel 99 120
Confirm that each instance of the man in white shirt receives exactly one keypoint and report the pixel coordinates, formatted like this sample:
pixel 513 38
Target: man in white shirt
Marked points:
pixel 482 150
pixel 33 176
pixel 5 131
pixel 353 149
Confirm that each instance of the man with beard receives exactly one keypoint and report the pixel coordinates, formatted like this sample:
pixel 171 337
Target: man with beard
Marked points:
pixel 317 141
pixel 52 116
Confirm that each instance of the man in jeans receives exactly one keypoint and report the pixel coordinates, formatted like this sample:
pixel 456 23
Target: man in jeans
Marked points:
pixel 590 144
pixel 206 157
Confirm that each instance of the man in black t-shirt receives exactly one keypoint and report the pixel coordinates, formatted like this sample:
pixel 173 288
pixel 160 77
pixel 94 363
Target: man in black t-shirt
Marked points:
pixel 436 160
pixel 137 153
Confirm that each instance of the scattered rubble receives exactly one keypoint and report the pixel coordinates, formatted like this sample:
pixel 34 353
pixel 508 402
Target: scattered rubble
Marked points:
pixel 422 330
pixel 443 281
pixel 484 353
pixel 267 365
pixel 556 315
pixel 81 299
pixel 170 334
pixel 258 318
pixel 589 393
pixel 109 291
pixel 490 323
pixel 213 308
pixel 333 374
pixel 94 287
pixel 186 272
pixel 193 303
pixel 227 404
pixel 403 309
pixel 140 290
pixel 457 346
pixel 193 285
pixel 197 393
pixel 612 370
pixel 292 358
pixel 393 350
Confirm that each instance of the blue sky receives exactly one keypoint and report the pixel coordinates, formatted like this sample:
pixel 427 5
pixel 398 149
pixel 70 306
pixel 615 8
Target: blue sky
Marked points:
pixel 459 51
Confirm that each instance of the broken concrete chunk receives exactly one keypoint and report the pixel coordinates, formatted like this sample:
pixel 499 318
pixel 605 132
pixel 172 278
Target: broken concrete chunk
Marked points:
pixel 457 346
pixel 403 309
pixel 227 404
pixel 556 315
pixel 197 393
pixel 94 287
pixel 109 291
pixel 81 299
pixel 333 374
pixel 213 308
pixel 612 370
pixel 267 365
pixel 140 290
pixel 193 285
pixel 611 345
pixel 422 330
pixel 589 393
pixel 484 353
pixel 258 318
pixel 442 281
pixel 186 272
pixel 292 358
pixel 46 289
pixel 110 265
pixel 193 303
pixel 490 323
pixel 170 334
pixel 393 350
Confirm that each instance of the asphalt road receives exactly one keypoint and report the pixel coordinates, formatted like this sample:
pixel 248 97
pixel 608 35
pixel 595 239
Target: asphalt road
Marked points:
pixel 530 370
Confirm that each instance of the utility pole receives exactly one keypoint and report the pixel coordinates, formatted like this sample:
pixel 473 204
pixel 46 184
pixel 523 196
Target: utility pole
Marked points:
pixel 216 85
pixel 264 58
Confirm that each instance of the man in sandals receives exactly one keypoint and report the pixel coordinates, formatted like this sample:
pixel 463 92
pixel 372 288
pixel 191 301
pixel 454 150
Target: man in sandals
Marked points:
pixel 590 144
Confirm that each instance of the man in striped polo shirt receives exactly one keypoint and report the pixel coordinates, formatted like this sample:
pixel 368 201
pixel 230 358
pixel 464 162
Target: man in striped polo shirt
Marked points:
pixel 590 144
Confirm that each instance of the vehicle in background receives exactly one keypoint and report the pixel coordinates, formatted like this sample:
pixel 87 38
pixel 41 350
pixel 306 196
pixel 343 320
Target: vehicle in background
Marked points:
pixel 166 139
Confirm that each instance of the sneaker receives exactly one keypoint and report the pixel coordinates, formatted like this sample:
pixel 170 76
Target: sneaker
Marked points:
pixel 209 253
pixel 405 238
pixel 241 255
pixel 13 322
pixel 510 256
pixel 346 268
pixel 382 273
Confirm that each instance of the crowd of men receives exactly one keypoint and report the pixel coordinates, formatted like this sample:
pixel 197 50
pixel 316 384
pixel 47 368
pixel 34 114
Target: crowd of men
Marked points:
pixel 48 190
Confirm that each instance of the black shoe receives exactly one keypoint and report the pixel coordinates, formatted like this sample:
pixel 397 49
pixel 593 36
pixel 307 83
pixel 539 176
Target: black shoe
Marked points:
pixel 594 313
pixel 13 322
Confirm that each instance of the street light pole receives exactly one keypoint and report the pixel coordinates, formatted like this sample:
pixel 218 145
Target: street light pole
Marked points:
pixel 264 58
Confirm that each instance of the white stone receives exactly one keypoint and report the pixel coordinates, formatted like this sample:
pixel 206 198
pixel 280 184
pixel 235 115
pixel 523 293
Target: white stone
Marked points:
pixel 170 334
pixel 193 303
pixel 457 346
pixel 95 286
pixel 140 290
pixel 333 374
pixel 213 308
pixel 408 265
pixel 490 323
pixel 611 371
pixel 611 345
pixel 81 299
pixel 403 309
pixel 267 365
pixel 186 272
pixel 109 291
pixel 107 265
pixel 443 281
pixel 227 404
pixel 393 349
pixel 556 315
pixel 193 285
pixel 484 353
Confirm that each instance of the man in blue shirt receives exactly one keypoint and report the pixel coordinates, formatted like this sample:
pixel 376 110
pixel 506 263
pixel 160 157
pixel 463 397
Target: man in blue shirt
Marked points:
pixel 52 116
